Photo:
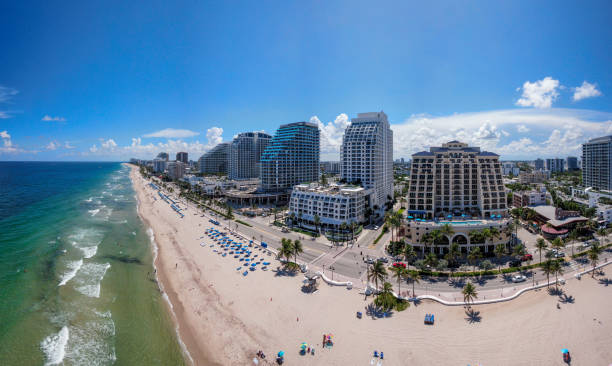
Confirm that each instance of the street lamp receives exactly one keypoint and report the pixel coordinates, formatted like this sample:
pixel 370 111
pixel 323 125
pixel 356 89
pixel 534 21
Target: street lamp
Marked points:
pixel 332 269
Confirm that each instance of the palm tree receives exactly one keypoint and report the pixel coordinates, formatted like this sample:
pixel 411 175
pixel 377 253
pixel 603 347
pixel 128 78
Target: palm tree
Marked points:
pixel 396 222
pixel 378 272
pixel 286 249
pixel 474 256
pixel 493 232
pixel 469 293
pixel 519 250
pixel 297 249
pixel 541 245
pixel 399 273
pixel 409 253
pixel 414 277
pixel 573 236
pixel 594 253
pixel 317 222
pixel 343 229
pixel 557 270
pixel 500 250
pixel 431 260
pixel 558 243
pixel 453 253
pixel 388 219
pixel 547 268
pixel 435 236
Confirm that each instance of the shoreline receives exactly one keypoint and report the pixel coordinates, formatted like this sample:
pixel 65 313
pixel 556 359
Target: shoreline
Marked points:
pixel 170 298
pixel 224 318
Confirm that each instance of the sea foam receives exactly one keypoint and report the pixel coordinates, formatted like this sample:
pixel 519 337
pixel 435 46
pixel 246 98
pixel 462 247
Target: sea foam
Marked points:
pixel 90 277
pixel 54 346
pixel 73 268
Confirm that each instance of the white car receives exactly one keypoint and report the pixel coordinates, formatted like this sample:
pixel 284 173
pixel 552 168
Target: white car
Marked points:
pixel 375 227
pixel 518 278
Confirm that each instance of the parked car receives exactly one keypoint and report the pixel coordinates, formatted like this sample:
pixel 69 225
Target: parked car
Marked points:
pixel 518 278
pixel 586 244
pixel 399 264
pixel 383 259
pixel 526 257
pixel 515 263
pixel 376 227
pixel 369 261
pixel 559 255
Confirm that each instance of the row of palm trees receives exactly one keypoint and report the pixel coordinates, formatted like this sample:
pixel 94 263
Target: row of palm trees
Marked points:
pixel 378 272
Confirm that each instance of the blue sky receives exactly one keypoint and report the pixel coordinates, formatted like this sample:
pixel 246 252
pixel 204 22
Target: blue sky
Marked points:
pixel 111 80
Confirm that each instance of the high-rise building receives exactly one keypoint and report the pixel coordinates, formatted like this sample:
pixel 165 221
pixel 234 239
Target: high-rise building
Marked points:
pixel 572 163
pixel 366 156
pixel 597 163
pixel 456 179
pixel 245 154
pixel 291 158
pixel 216 160
pixel 159 165
pixel 539 164
pixel 330 167
pixel 176 169
pixel 183 157
pixel 555 165
pixel 163 156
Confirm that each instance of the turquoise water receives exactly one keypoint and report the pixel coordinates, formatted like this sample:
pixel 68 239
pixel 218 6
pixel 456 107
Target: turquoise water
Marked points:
pixel 76 276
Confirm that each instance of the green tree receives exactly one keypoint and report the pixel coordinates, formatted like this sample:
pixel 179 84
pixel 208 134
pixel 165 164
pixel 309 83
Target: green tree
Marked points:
pixel 547 269
pixel 557 270
pixel 377 273
pixel 409 253
pixel 317 222
pixel 399 273
pixel 519 250
pixel 454 252
pixel 541 245
pixel 286 249
pixel 298 248
pixel 431 260
pixel 473 256
pixel 414 277
pixel 500 250
pixel 469 293
pixel 593 254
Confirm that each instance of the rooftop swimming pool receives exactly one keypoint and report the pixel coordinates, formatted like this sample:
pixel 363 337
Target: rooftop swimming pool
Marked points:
pixel 471 222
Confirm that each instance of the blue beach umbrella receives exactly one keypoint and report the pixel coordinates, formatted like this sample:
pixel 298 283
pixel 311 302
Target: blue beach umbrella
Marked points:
pixel 281 353
pixel 450 216
pixel 410 217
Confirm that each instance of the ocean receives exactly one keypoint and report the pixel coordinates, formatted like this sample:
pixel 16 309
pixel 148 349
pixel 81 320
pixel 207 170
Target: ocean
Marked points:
pixel 77 285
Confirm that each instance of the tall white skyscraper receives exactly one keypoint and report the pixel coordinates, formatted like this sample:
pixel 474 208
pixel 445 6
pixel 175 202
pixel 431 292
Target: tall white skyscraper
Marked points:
pixel 367 157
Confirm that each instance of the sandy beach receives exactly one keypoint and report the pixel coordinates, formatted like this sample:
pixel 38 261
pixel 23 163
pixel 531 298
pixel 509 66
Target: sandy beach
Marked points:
pixel 225 318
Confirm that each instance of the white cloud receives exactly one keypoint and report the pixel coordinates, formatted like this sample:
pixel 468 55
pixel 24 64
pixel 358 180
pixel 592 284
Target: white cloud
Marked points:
pixel 586 90
pixel 214 136
pixel 6 93
pixel 539 94
pixel 172 133
pixel 68 146
pixel 53 145
pixel 7 144
pixel 48 118
pixel 331 135
pixel 522 129
pixel 482 129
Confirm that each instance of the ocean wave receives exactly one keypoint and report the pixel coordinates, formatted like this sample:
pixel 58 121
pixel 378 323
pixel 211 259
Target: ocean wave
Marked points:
pixel 54 346
pixel 89 199
pixel 89 252
pixel 94 212
pixel 92 343
pixel 90 278
pixel 73 268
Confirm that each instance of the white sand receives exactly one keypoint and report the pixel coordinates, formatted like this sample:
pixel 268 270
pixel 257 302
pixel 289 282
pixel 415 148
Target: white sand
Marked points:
pixel 225 318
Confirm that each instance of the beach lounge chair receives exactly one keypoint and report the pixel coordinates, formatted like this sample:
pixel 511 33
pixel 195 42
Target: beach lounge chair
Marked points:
pixel 359 315
pixel 245 273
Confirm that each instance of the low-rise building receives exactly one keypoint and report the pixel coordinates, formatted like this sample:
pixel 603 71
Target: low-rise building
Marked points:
pixel 604 214
pixel 538 176
pixel 557 222
pixel 510 168
pixel 334 205
pixel 529 198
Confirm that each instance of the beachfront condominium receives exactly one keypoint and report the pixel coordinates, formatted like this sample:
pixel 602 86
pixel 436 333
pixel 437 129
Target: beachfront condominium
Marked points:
pixel 163 156
pixel 366 156
pixel 176 169
pixel 456 179
pixel 597 163
pixel 215 161
pixel 334 205
pixel 555 165
pixel 183 157
pixel 291 158
pixel 245 154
